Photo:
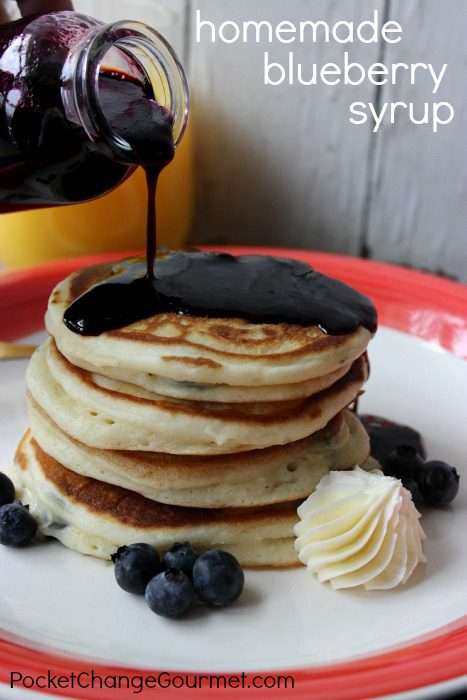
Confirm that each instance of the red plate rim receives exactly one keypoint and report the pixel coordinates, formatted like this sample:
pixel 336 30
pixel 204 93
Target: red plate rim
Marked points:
pixel 421 304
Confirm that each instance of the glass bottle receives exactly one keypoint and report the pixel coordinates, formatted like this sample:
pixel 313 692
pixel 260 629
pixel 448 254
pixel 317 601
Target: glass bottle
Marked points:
pixel 70 127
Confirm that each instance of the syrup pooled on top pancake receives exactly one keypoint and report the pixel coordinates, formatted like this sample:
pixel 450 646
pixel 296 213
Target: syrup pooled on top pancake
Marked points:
pixel 257 288
pixel 290 324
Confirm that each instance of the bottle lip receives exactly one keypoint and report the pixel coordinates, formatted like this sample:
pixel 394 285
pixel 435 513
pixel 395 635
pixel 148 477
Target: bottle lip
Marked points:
pixel 151 51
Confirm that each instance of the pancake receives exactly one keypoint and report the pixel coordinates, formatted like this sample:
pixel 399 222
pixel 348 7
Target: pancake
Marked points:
pixel 108 419
pixel 197 391
pixel 197 349
pixel 96 518
pixel 262 477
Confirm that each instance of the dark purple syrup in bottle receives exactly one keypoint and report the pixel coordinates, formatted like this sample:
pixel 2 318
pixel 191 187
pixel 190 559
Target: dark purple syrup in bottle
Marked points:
pixel 44 158
pixel 47 159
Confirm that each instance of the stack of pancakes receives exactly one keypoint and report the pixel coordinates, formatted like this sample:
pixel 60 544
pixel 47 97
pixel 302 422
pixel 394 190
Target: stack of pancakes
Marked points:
pixel 182 428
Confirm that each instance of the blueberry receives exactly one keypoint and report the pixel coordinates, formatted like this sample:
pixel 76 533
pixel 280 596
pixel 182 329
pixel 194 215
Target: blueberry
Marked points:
pixel 218 577
pixel 135 565
pixel 412 485
pixel 7 489
pixel 181 557
pixel 386 435
pixel 406 464
pixel 17 526
pixel 170 594
pixel 439 483
pixel 403 463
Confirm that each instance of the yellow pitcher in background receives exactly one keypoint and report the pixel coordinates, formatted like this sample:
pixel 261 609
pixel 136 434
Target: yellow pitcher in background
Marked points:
pixel 114 222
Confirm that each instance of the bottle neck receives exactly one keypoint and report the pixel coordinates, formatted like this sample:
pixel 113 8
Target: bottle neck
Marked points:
pixel 141 56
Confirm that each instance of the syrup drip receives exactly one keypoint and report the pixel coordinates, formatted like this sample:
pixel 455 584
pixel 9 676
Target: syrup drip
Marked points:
pixel 151 183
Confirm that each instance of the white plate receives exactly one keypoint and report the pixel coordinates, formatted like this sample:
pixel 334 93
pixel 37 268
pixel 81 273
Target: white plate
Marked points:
pixel 60 600
pixel 61 610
